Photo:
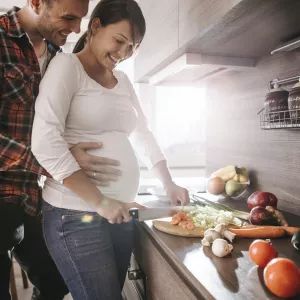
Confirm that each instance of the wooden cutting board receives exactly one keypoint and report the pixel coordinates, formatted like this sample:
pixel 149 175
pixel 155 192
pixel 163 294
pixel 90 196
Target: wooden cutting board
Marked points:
pixel 166 227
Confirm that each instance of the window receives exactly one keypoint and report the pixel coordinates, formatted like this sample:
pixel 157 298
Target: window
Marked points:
pixel 179 125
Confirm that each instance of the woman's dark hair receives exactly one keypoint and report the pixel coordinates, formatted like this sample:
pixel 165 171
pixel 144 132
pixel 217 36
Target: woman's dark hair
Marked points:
pixel 113 11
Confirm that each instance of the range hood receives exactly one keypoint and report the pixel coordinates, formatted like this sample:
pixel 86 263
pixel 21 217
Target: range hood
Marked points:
pixel 191 68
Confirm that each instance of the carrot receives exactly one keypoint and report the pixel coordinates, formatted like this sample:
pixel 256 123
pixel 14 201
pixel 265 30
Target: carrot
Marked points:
pixel 182 223
pixel 175 222
pixel 181 219
pixel 181 212
pixel 262 232
pixel 190 226
pixel 289 229
pixel 176 217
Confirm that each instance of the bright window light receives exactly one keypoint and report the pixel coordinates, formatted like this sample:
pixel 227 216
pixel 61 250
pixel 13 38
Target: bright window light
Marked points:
pixel 180 118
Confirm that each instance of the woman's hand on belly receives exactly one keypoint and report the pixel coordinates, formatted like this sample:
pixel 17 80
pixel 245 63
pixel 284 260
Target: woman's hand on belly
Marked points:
pixel 116 211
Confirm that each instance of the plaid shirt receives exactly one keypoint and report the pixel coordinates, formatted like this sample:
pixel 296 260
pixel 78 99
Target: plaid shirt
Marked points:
pixel 19 86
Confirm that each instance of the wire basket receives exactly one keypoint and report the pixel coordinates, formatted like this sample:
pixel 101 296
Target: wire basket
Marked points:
pixel 285 119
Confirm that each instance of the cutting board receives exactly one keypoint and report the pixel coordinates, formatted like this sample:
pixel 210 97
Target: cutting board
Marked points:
pixel 166 227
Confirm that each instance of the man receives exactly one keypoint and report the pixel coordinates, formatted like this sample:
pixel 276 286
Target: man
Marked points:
pixel 29 38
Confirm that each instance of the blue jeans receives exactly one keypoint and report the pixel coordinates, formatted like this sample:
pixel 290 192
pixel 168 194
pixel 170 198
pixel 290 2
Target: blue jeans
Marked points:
pixel 91 254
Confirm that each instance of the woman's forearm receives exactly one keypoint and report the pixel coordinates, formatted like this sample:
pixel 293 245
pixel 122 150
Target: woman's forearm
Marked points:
pixel 161 171
pixel 79 183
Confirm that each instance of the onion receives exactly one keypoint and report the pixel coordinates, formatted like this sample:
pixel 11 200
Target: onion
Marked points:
pixel 273 200
pixel 262 199
pixel 261 216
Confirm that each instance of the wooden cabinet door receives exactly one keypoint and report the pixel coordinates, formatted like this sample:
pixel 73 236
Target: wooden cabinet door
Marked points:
pixel 197 15
pixel 163 282
pixel 161 39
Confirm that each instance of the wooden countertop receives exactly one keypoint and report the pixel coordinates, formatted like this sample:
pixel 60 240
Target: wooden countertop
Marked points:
pixel 210 277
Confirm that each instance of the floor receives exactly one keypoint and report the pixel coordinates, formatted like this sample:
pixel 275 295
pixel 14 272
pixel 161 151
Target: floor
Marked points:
pixel 25 294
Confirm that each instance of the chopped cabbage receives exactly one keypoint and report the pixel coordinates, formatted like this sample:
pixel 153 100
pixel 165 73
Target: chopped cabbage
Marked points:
pixel 208 217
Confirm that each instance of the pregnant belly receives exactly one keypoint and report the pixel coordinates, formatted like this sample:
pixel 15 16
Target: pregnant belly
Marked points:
pixel 117 146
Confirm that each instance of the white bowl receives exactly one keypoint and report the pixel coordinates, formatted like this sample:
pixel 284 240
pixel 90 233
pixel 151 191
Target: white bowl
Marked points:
pixel 160 193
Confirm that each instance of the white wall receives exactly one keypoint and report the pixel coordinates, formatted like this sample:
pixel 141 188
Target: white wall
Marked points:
pixel 6 5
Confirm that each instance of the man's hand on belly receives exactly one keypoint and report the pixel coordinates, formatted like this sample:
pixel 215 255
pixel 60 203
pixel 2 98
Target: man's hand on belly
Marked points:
pixel 100 170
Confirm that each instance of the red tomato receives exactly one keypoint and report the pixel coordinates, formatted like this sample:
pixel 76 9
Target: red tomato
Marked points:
pixel 282 277
pixel 262 252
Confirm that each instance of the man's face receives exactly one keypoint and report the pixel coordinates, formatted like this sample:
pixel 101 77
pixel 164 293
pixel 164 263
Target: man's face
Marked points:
pixel 62 17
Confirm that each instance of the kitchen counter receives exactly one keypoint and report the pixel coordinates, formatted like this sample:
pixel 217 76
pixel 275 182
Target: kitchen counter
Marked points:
pixel 196 272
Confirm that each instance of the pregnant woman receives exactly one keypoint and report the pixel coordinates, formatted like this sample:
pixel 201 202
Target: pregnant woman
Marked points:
pixel 83 98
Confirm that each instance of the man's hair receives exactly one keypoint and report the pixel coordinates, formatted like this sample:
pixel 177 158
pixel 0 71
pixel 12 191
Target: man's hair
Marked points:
pixel 36 2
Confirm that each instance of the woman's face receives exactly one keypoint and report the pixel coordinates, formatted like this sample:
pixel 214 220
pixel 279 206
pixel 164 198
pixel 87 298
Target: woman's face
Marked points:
pixel 112 44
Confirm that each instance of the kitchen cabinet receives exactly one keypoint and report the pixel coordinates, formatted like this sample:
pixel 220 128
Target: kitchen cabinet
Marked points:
pixel 252 28
pixel 247 29
pixel 196 15
pixel 163 282
pixel 161 39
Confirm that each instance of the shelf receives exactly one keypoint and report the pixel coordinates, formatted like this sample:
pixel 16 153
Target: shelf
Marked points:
pixel 285 81
pixel 287 119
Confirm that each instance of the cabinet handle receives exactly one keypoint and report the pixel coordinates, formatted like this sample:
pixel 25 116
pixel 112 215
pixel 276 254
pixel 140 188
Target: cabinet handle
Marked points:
pixel 135 275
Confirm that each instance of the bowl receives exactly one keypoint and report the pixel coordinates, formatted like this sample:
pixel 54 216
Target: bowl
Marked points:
pixel 231 188
pixel 160 193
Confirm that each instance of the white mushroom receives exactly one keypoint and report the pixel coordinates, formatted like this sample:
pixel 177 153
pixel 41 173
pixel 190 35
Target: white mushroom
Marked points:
pixel 222 229
pixel 209 236
pixel 221 247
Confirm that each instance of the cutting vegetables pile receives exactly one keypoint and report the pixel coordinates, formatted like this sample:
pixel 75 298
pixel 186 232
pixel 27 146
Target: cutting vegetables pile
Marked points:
pixel 265 220
pixel 181 219
pixel 208 214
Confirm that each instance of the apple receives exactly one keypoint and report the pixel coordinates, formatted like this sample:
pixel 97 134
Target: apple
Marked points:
pixel 262 199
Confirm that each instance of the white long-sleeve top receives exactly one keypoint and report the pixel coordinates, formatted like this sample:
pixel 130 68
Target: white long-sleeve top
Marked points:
pixel 72 108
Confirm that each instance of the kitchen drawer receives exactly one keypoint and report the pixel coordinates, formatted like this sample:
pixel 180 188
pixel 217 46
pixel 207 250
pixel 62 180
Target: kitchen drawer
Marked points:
pixel 162 280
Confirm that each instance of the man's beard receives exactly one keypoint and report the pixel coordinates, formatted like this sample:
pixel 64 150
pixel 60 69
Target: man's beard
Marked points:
pixel 45 29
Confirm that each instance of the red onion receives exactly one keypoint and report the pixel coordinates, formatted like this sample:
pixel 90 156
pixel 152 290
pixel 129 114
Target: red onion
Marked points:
pixel 261 216
pixel 262 199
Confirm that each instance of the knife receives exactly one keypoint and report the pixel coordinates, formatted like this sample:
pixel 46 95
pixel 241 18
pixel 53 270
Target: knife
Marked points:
pixel 151 213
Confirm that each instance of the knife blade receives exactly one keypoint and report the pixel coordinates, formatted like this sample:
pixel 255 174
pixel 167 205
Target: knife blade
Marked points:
pixel 152 213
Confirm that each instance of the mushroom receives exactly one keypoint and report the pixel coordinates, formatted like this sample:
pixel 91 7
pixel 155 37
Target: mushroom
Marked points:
pixel 222 229
pixel 221 247
pixel 209 236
